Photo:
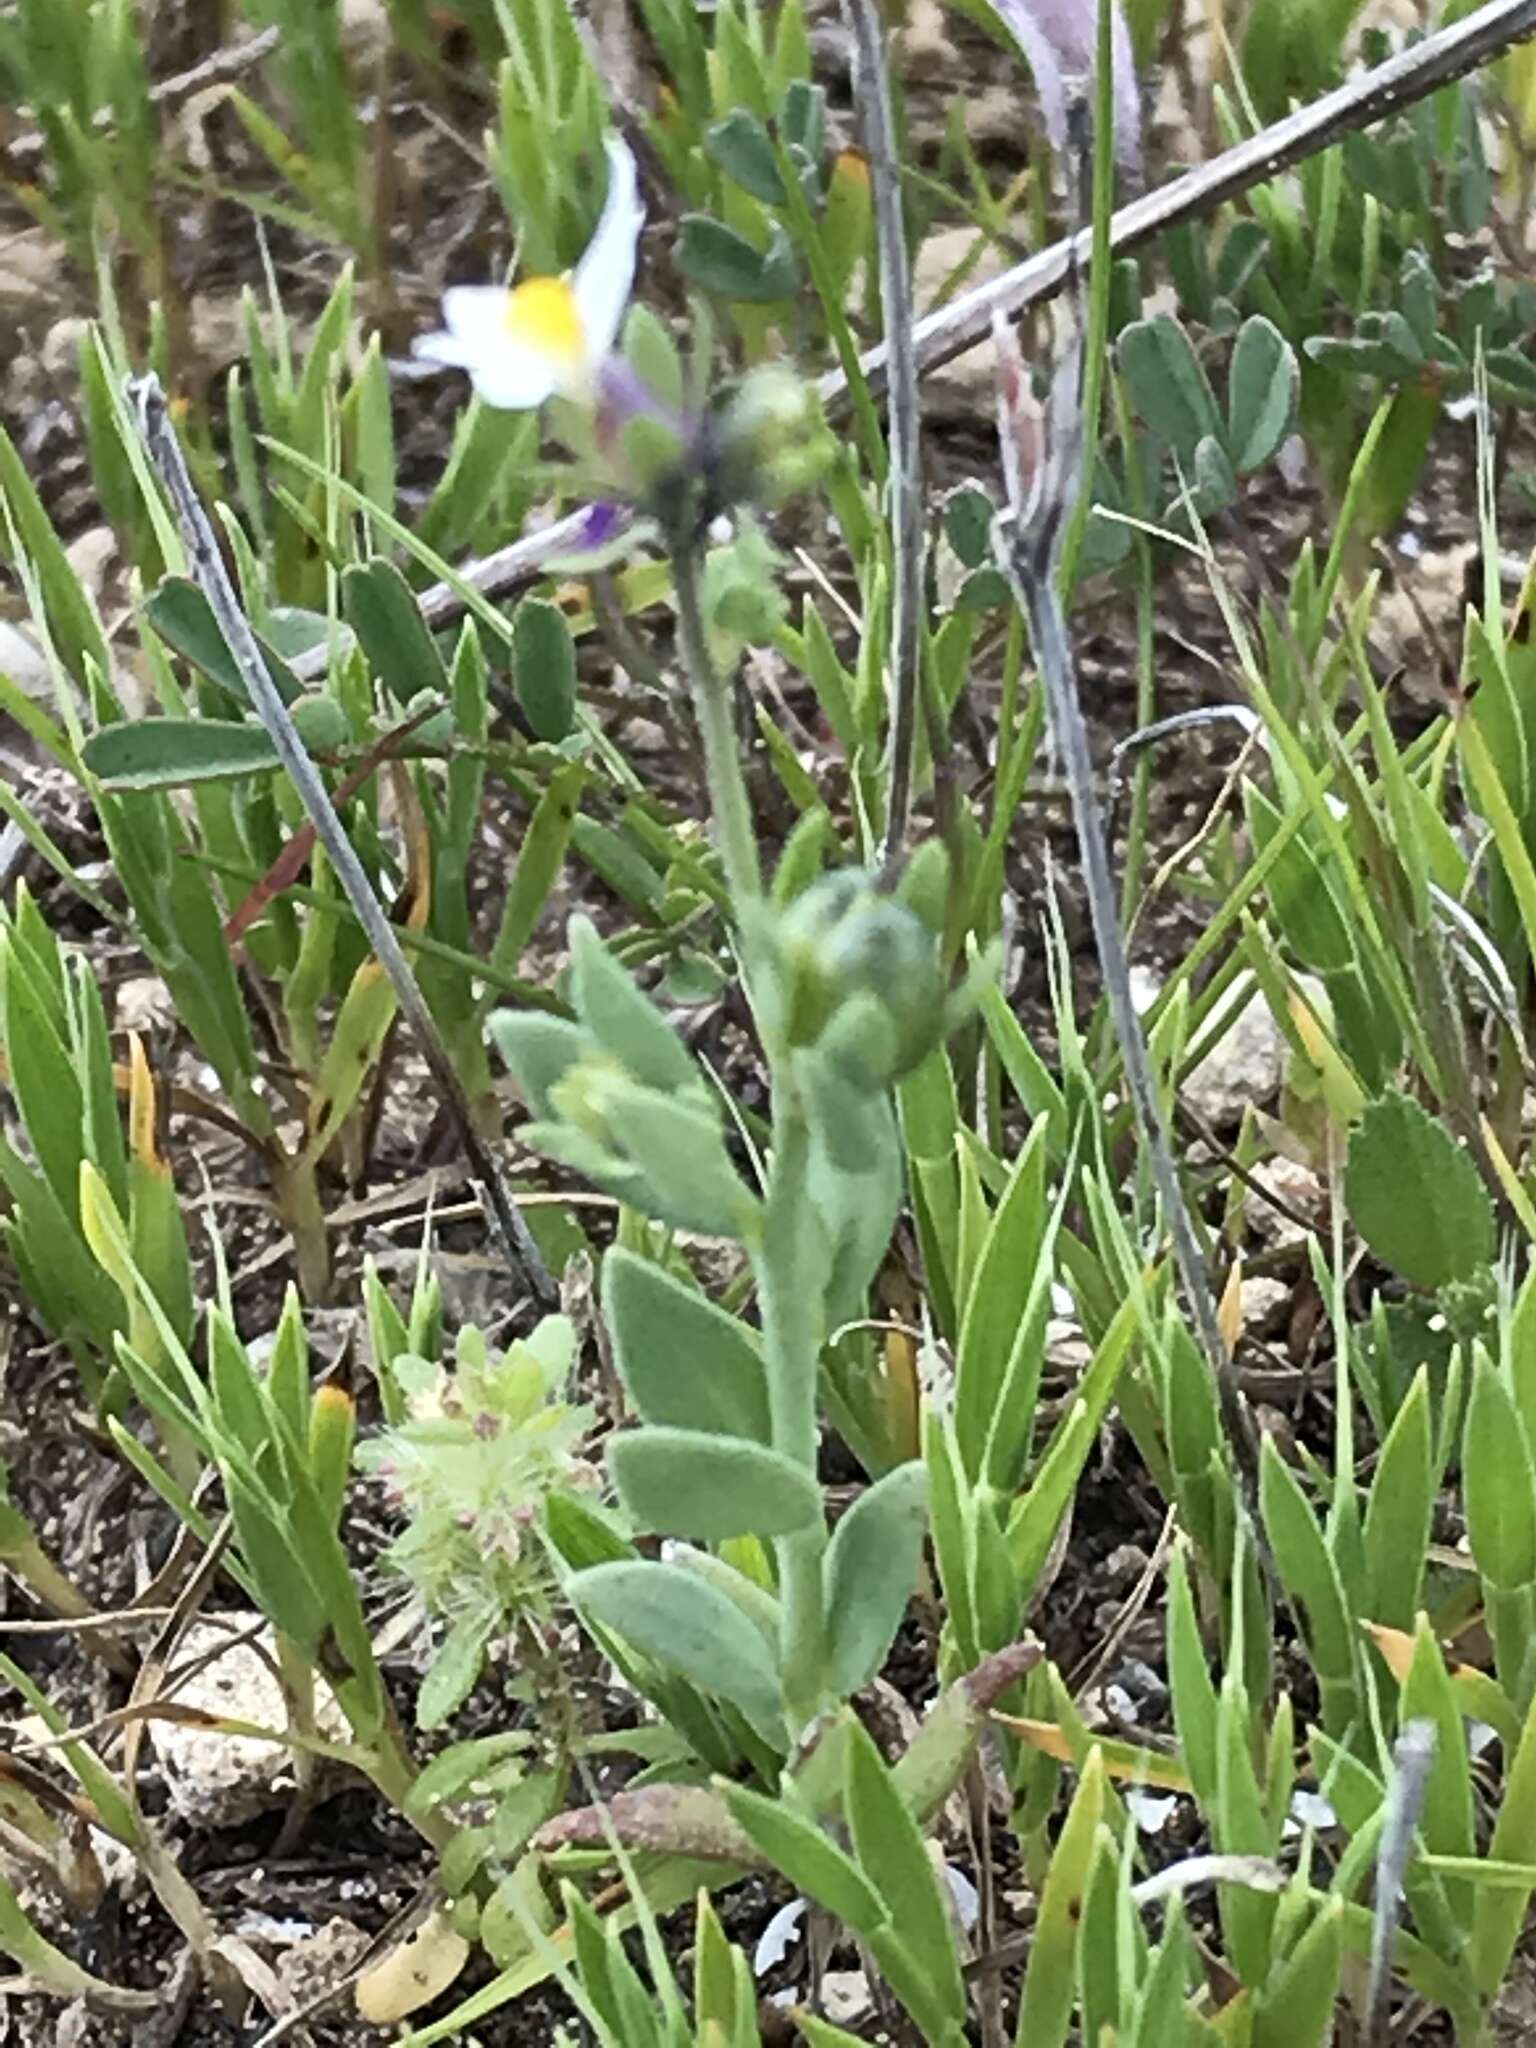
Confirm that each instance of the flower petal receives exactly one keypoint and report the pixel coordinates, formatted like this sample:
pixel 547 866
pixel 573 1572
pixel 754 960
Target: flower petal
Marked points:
pixel 477 340
pixel 1059 39
pixel 605 275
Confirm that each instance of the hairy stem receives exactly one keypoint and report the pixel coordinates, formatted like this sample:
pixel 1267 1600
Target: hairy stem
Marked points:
pixel 785 1262
pixel 722 758
pixel 786 1258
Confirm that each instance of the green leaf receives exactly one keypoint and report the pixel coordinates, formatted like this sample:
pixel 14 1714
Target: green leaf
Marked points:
pixel 454 1669
pixel 166 753
pixel 1301 898
pixel 41 1074
pixel 1397 1516
pixel 1501 1916
pixel 890 1848
pixel 1500 1483
pixel 743 148
pixel 1002 1328
pixel 1036 1515
pixel 968 516
pixel 1447 1823
pixel 809 1858
pixel 393 635
pixel 683 1360
pixel 1194 1696
pixel 544 668
pixel 675 1164
pixel 717 259
pixel 689 1626
pixel 822 2033
pixel 183 618
pixel 1045 2009
pixel 1415 1196
pixel 1242 1829
pixel 288 1595
pixel 871 1568
pixel 653 355
pixel 1168 387
pixel 1308 1573
pixel 625 1022
pixel 1262 393
pixel 1295 2008
pixel 72 618
pixel 684 1483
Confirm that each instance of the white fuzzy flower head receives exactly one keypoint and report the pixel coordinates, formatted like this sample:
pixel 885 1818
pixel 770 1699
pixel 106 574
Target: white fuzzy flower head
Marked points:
pixel 548 335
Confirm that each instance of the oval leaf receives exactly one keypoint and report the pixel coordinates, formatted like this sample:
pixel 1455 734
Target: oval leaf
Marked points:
pixel 682 1360
pixel 1415 1196
pixel 1262 393
pixel 717 258
pixel 1169 388
pixel 682 1483
pixel 391 631
pixel 164 753
pixel 871 1568
pixel 184 619
pixel 544 668
pixel 689 1626
pixel 743 149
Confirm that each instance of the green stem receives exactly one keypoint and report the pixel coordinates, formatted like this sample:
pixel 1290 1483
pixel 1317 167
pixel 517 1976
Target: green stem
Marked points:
pixel 712 709
pixel 785 1261
pixel 1100 279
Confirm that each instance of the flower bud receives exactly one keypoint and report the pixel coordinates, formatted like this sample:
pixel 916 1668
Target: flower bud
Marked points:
pixel 862 978
pixel 321 722
pixel 772 441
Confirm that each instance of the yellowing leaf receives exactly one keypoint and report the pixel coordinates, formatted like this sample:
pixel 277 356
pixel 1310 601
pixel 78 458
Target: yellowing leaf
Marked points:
pixel 413 1973
pixel 1123 1761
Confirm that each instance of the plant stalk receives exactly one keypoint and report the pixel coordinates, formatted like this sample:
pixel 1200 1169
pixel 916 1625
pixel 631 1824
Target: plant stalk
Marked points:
pixel 207 564
pixel 1406 77
pixel 1040 597
pixel 712 708
pixel 904 483
pixel 788 1266
pixel 785 1259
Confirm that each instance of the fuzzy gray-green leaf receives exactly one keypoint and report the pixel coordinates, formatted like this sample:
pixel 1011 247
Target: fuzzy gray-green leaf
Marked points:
pixel 682 1360
pixel 871 1569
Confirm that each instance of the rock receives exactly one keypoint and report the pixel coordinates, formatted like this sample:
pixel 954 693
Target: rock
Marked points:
pixel 23 662
pixel 1262 1299
pixel 317 1963
pixel 29 272
pixel 967 382
pixel 364 26
pixel 1297 1186
pixel 845 1996
pixel 217 1780
pixel 1247 1067
pixel 93 555
pixel 145 1005
pixel 60 352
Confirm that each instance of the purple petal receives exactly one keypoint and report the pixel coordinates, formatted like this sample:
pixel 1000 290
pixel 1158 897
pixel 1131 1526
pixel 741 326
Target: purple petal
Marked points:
pixel 602 523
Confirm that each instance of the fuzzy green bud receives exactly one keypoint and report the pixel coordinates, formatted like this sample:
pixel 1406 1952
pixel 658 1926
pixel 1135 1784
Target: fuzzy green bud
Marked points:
pixel 320 722
pixel 773 440
pixel 862 978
